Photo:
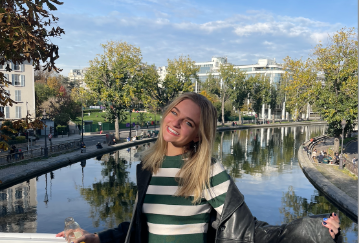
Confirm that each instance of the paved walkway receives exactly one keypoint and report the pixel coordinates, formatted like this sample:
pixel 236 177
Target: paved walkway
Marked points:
pixel 341 179
pixel 340 186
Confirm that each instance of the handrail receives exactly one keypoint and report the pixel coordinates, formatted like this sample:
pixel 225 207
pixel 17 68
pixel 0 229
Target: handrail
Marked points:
pixel 39 152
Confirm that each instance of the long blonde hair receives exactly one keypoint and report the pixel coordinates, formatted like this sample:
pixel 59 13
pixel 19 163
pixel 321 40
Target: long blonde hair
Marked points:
pixel 194 175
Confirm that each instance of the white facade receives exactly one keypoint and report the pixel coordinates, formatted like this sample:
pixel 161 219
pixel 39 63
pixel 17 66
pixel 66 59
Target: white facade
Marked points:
pixel 79 76
pixel 18 205
pixel 21 90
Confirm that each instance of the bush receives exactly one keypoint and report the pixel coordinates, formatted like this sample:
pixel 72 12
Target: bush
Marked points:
pixel 92 110
pixel 20 138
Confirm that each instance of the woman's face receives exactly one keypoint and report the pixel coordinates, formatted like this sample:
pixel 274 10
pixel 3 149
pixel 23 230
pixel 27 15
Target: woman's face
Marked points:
pixel 181 124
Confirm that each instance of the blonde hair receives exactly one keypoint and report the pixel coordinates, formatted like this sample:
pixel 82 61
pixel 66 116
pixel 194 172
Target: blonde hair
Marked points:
pixel 194 175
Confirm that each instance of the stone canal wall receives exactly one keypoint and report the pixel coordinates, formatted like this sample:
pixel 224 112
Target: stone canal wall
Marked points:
pixel 339 198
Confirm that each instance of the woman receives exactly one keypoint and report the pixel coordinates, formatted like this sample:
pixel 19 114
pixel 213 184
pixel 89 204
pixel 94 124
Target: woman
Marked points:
pixel 186 196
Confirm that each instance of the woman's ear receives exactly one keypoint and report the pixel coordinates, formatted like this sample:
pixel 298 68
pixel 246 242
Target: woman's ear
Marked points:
pixel 196 139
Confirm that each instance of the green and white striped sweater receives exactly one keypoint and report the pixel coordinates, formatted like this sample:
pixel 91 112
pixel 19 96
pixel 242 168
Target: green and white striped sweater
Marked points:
pixel 175 219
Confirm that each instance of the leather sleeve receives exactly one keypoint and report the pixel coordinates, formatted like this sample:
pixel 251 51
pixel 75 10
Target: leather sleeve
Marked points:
pixel 307 229
pixel 117 235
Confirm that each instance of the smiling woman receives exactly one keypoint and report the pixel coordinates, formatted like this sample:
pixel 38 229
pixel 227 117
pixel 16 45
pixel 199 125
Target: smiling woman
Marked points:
pixel 184 195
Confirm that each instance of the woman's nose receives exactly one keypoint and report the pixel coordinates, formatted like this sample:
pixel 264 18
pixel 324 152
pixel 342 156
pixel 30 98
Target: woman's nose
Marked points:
pixel 176 122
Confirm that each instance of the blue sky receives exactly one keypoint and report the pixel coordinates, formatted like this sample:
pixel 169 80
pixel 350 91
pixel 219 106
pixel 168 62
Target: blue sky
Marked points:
pixel 243 31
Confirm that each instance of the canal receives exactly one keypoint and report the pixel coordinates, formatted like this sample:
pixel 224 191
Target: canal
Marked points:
pixel 99 193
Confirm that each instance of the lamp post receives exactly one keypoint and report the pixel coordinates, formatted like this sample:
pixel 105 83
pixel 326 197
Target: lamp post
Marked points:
pixel 82 122
pixel 343 123
pixel 44 116
pixel 130 121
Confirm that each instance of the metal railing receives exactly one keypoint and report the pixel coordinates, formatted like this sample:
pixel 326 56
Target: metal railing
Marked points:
pixel 22 155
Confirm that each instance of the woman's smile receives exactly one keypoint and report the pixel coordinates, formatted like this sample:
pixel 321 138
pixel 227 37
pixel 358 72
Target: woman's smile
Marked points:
pixel 171 131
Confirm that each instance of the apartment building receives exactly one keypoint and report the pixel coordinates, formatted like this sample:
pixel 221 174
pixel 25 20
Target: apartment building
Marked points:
pixel 21 90
pixel 78 75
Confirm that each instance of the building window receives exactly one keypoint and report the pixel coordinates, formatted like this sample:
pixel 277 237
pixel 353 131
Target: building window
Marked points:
pixel 3 196
pixel 17 67
pixel 18 194
pixel 18 112
pixel 18 80
pixel 7 112
pixel 17 95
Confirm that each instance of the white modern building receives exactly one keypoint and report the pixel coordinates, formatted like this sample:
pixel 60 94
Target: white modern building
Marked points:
pixel 21 90
pixel 78 75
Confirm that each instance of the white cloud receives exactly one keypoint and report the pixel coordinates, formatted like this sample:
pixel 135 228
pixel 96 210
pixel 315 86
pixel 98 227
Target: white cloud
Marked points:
pixel 243 38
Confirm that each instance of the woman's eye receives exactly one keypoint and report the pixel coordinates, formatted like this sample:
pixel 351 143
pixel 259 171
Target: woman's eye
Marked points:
pixel 189 124
pixel 174 113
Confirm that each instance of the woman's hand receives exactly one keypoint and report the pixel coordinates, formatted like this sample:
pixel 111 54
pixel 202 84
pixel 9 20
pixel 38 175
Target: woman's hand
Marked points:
pixel 86 237
pixel 333 224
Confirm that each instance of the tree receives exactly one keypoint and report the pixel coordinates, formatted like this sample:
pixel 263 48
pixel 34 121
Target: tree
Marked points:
pixel 61 109
pixel 24 36
pixel 337 98
pixel 115 76
pixel 180 75
pixel 259 91
pixel 239 93
pixel 301 82
pixel 42 93
pixel 222 85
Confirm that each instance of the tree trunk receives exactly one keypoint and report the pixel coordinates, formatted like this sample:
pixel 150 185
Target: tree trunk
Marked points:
pixel 117 130
pixel 223 110
pixel 221 155
pixel 239 117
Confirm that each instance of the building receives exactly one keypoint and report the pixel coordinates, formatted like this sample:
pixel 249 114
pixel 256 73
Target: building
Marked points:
pixel 18 206
pixel 21 90
pixel 78 75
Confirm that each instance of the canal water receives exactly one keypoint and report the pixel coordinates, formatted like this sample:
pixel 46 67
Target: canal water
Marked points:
pixel 99 192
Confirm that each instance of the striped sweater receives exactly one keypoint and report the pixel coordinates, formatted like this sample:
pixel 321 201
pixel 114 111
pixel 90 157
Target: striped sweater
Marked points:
pixel 175 219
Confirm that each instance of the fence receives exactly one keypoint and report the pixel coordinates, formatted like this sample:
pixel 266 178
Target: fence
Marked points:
pixel 36 153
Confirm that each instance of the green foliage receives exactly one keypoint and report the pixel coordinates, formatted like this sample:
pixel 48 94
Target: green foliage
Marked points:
pixel 259 88
pixel 115 77
pixel 180 76
pixel 299 83
pixel 338 98
pixel 20 138
pixel 42 93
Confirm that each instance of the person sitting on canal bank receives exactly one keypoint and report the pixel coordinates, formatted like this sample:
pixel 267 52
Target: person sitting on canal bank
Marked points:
pixel 184 195
pixel 314 154
pixel 99 145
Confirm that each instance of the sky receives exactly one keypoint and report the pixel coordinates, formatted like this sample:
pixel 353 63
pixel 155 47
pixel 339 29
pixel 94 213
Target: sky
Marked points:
pixel 242 31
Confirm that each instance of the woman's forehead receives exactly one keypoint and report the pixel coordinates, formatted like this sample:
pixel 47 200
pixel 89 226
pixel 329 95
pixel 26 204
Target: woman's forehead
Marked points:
pixel 189 109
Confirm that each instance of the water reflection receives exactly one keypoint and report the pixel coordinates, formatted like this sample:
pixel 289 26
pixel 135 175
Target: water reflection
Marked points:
pixel 294 207
pixel 18 206
pixel 100 192
pixel 111 199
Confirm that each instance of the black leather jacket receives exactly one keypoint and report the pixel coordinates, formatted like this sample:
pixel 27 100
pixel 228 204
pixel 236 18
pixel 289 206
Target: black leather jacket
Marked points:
pixel 235 225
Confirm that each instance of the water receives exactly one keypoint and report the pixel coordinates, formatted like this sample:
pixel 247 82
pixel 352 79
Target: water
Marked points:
pixel 99 193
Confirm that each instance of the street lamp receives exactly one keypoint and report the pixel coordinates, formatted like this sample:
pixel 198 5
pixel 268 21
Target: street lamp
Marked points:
pixel 44 116
pixel 130 121
pixel 343 123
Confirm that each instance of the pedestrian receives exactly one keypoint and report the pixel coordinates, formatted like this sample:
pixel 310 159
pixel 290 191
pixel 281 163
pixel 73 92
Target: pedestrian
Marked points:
pixel 354 161
pixel 147 124
pixel 185 195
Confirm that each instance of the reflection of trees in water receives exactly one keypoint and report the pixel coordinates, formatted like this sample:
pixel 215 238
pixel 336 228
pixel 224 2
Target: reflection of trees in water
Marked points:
pixel 250 157
pixel 112 198
pixel 294 207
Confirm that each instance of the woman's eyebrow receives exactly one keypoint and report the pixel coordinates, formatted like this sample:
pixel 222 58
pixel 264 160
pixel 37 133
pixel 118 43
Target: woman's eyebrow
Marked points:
pixel 186 117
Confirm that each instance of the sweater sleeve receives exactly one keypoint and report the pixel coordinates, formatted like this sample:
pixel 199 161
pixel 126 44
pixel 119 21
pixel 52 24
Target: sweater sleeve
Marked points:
pixel 219 182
